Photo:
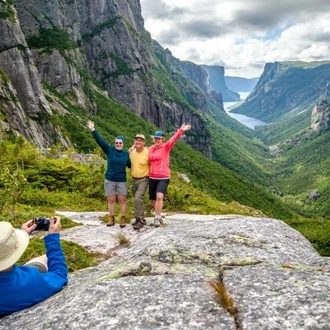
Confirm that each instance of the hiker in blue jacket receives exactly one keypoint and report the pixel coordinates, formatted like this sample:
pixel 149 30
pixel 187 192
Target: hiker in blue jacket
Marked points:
pixel 115 182
pixel 23 286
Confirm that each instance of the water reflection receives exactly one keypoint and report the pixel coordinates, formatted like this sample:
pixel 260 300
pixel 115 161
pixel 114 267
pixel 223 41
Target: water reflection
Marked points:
pixel 245 120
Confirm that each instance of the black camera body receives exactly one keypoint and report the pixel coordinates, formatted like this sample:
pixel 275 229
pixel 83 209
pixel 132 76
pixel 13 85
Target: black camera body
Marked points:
pixel 42 223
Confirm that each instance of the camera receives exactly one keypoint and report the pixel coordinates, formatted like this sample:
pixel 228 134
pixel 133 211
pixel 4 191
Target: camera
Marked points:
pixel 42 223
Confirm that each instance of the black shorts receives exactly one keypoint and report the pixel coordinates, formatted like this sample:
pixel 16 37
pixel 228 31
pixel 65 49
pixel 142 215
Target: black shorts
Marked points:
pixel 157 186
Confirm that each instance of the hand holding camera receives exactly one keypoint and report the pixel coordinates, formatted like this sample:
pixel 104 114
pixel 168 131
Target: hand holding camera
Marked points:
pixel 42 223
pixel 52 224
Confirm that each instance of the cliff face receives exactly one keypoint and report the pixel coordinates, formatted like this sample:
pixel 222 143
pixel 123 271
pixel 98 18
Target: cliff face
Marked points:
pixel 70 47
pixel 285 88
pixel 22 100
pixel 197 80
pixel 320 120
pixel 217 82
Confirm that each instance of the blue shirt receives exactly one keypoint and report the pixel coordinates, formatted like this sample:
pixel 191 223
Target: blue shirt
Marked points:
pixel 23 286
pixel 117 160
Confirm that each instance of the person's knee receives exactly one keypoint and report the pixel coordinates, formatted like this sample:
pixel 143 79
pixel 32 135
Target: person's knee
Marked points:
pixel 159 197
pixel 139 195
pixel 111 199
pixel 41 260
pixel 121 199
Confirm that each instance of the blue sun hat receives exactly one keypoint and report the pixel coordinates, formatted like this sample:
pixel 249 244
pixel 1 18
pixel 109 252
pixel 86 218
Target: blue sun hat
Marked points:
pixel 159 134
pixel 120 137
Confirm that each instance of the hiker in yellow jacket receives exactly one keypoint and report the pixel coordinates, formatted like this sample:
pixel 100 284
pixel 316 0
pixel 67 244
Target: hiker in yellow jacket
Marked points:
pixel 139 154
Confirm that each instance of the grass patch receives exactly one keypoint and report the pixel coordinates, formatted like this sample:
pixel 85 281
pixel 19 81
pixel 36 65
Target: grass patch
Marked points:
pixel 122 239
pixel 75 255
pixel 315 231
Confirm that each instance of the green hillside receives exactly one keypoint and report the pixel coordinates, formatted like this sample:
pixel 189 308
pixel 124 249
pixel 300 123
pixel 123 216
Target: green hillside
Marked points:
pixel 225 185
pixel 300 156
pixel 282 130
pixel 305 168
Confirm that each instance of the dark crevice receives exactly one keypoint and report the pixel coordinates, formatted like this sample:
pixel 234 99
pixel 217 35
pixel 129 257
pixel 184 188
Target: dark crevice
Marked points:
pixel 225 300
pixel 19 46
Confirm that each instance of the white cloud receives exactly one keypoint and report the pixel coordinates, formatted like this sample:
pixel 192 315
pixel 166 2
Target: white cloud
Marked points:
pixel 241 35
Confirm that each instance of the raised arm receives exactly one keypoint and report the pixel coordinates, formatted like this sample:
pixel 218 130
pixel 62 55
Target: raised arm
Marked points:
pixel 90 125
pixel 170 143
pixel 56 262
pixel 105 146
pixel 185 127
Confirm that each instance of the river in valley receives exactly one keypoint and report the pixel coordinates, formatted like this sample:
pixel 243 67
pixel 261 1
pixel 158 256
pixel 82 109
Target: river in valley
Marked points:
pixel 245 120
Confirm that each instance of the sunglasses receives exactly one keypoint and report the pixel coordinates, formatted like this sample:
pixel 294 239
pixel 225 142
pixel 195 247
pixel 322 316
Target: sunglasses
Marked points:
pixel 118 142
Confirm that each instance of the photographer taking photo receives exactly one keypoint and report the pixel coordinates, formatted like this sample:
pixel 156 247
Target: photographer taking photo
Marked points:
pixel 23 286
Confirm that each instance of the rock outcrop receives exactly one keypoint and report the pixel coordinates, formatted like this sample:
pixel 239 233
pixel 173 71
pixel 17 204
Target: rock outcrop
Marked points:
pixel 21 95
pixel 72 49
pixel 217 82
pixel 320 120
pixel 275 278
pixel 286 89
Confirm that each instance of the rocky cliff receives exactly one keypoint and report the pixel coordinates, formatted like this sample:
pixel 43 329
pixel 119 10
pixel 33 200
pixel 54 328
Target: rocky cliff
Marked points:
pixel 266 274
pixel 286 88
pixel 198 79
pixel 320 120
pixel 23 103
pixel 72 49
pixel 217 82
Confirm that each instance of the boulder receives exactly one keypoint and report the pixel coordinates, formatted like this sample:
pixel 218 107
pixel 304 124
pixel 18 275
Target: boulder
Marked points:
pixel 272 275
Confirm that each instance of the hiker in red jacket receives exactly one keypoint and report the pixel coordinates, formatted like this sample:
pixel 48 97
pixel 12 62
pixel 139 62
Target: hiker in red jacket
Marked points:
pixel 160 173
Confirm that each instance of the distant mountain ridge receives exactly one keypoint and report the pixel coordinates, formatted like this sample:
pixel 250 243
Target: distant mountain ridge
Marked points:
pixel 285 88
pixel 240 84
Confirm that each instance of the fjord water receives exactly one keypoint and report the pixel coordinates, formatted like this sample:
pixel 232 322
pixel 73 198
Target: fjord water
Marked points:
pixel 245 120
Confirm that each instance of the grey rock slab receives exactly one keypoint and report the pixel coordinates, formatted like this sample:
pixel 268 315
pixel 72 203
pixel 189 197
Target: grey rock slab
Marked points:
pixel 162 279
pixel 154 302
pixel 283 297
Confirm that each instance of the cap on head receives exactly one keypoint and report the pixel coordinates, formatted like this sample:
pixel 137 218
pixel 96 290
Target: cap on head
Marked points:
pixel 120 137
pixel 13 243
pixel 159 134
pixel 140 136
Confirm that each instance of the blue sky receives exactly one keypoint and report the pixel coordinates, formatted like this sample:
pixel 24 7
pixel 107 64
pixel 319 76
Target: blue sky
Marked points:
pixel 241 35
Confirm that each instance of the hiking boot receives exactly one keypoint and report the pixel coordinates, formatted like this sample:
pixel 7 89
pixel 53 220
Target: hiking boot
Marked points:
pixel 156 222
pixel 137 224
pixel 161 222
pixel 111 221
pixel 122 222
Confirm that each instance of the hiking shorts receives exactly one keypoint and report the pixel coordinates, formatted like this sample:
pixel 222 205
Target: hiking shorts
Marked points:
pixel 157 186
pixel 115 188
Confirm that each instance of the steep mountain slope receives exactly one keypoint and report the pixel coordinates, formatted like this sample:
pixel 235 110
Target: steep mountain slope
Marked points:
pixel 301 163
pixel 77 60
pixel 216 75
pixel 295 97
pixel 286 88
pixel 77 48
